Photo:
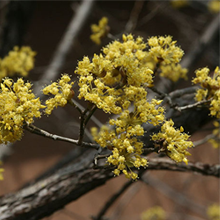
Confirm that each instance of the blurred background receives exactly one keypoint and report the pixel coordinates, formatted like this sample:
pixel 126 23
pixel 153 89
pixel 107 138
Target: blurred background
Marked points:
pixel 41 25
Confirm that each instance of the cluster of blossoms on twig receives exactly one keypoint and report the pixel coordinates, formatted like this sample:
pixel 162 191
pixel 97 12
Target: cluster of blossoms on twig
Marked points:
pixel 18 106
pixel 116 82
pixel 99 31
pixel 62 92
pixel 210 89
pixel 19 61
pixel 173 142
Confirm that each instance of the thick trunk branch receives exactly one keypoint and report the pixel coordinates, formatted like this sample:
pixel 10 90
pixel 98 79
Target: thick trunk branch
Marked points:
pixel 51 194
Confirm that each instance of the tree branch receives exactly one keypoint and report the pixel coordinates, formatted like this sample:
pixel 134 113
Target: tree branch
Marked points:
pixel 68 184
pixel 55 137
pixel 198 167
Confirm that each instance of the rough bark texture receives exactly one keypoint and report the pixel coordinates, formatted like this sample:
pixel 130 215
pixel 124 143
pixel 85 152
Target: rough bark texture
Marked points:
pixel 53 193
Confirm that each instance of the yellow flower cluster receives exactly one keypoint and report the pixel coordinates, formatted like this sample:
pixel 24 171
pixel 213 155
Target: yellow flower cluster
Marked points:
pixel 19 61
pixel 210 89
pixel 111 81
pixel 126 151
pixel 115 81
pixel 18 105
pixel 1 171
pixel 214 6
pixel 174 142
pixel 164 50
pixel 123 140
pixel 62 91
pixel 216 141
pixel 99 31
pixel 154 213
pixel 213 212
pixel 173 72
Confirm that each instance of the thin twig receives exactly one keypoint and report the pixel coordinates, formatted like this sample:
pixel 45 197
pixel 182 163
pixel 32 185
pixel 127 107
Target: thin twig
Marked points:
pixel 204 140
pixel 111 201
pixel 181 92
pixel 174 195
pixel 72 102
pixel 132 22
pixel 198 48
pixel 168 164
pixel 192 105
pixel 125 200
pixel 81 109
pixel 46 134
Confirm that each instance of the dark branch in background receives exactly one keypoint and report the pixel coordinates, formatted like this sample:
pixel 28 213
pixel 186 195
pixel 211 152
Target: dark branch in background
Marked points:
pixel 68 184
pixel 204 140
pixel 72 31
pixel 111 201
pixel 172 194
pixel 115 196
pixel 199 47
pixel 132 22
pixel 17 18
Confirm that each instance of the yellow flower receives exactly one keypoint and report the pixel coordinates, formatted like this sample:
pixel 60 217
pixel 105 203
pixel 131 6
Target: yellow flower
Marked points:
pixel 154 213
pixel 173 142
pixel 99 31
pixel 179 3
pixel 62 91
pixel 164 50
pixel 210 89
pixel 1 171
pixel 114 81
pixel 19 61
pixel 173 72
pixel 18 106
pixel 112 78
pixel 213 212
pixel 214 6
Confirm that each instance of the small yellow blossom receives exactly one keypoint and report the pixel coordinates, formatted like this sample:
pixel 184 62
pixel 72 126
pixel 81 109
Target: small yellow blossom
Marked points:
pixel 173 72
pixel 154 213
pixel 164 50
pixel 62 91
pixel 214 6
pixel 18 106
pixel 213 212
pixel 216 141
pixel 210 89
pixel 179 3
pixel 19 61
pixel 173 141
pixel 1 171
pixel 99 31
